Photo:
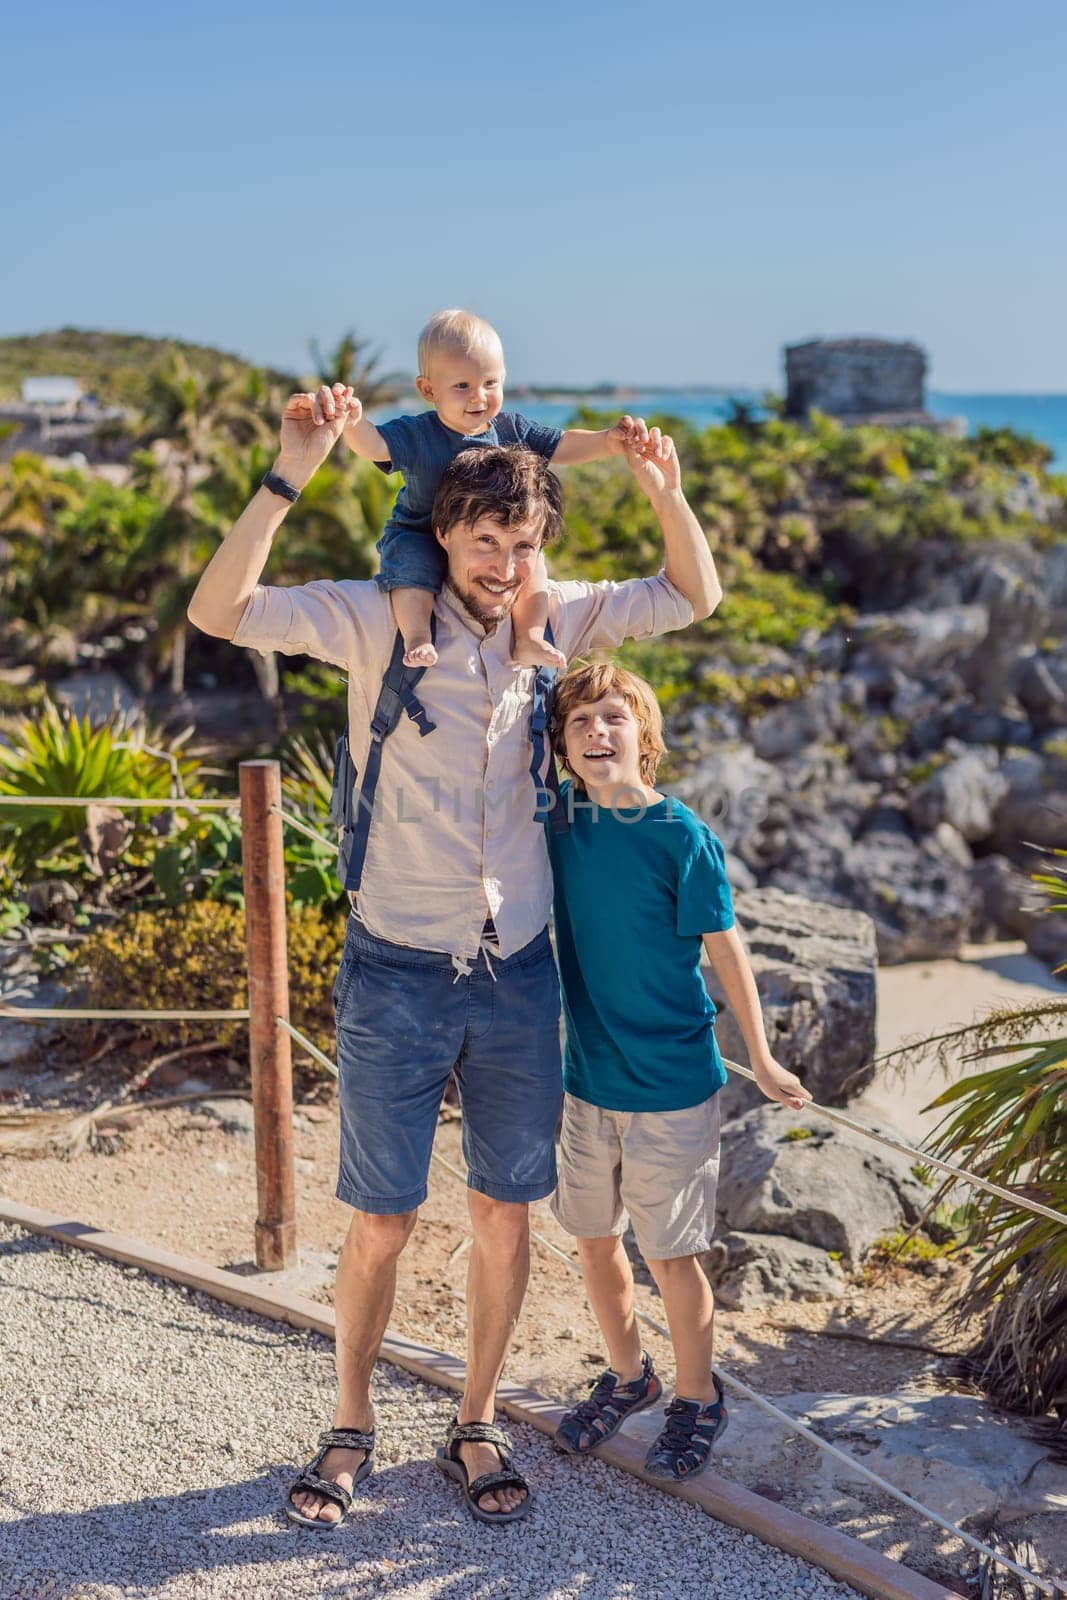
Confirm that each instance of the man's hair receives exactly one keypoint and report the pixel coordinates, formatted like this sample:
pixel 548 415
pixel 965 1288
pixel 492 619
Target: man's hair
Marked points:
pixel 584 685
pixel 460 332
pixel 505 482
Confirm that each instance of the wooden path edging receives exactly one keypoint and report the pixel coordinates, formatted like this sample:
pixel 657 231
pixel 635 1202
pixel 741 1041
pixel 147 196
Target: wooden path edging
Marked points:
pixel 837 1553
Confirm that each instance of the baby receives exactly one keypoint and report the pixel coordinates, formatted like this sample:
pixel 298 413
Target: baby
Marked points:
pixel 461 374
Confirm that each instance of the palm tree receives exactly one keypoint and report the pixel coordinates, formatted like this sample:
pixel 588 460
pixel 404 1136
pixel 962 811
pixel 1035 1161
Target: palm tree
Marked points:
pixel 1008 1124
pixel 353 363
pixel 191 420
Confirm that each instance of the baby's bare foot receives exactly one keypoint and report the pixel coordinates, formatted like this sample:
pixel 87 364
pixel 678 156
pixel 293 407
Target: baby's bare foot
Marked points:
pixel 420 653
pixel 530 651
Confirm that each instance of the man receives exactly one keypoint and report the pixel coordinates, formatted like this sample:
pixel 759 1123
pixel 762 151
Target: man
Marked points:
pixel 447 964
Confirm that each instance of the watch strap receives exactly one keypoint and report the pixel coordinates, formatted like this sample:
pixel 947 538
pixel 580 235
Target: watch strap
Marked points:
pixel 277 485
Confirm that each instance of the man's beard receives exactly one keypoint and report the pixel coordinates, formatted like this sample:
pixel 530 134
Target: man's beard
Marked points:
pixel 474 608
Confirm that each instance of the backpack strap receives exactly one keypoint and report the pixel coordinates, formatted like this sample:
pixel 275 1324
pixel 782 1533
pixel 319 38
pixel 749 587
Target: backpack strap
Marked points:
pixel 549 801
pixel 353 812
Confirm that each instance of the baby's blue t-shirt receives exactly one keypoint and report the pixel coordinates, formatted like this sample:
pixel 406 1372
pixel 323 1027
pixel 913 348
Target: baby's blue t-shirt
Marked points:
pixel 421 447
pixel 634 892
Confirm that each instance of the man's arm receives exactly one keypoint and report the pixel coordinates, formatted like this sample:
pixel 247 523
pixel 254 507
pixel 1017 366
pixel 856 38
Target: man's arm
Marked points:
pixel 311 426
pixel 689 563
pixel 734 971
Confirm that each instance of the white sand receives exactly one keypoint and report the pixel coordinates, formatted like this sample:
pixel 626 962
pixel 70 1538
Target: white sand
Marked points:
pixel 927 997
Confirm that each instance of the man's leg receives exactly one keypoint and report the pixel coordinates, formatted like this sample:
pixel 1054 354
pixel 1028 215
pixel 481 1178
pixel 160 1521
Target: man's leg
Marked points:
pixel 690 1307
pixel 496 1283
pixel 609 1283
pixel 363 1300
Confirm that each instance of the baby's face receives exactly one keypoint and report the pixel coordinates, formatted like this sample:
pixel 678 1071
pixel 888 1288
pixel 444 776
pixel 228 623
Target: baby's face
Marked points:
pixel 468 390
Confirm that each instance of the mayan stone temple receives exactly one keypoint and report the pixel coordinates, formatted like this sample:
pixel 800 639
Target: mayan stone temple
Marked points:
pixel 858 380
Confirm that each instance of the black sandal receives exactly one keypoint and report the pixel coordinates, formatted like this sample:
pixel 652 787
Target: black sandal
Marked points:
pixel 309 1479
pixel 505 1478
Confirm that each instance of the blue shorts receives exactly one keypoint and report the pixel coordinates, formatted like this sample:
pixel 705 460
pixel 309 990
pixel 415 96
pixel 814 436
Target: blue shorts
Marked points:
pixel 410 559
pixel 405 1021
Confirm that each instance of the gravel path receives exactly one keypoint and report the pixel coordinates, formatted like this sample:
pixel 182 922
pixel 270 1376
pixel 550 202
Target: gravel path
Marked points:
pixel 148 1433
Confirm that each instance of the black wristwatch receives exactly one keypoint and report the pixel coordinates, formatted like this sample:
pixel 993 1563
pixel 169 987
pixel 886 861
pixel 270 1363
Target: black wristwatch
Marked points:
pixel 276 485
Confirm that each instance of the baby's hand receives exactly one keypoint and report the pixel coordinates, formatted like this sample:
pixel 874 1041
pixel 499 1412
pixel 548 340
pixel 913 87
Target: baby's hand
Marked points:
pixel 627 434
pixel 355 413
pixel 778 1083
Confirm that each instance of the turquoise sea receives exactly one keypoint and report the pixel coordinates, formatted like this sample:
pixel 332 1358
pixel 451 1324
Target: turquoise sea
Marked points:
pixel 1042 415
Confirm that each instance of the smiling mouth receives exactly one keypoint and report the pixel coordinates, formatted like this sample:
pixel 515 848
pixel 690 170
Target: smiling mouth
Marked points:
pixel 599 755
pixel 499 590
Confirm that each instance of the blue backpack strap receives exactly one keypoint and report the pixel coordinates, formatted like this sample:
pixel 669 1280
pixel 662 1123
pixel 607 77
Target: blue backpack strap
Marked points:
pixel 550 807
pixel 395 698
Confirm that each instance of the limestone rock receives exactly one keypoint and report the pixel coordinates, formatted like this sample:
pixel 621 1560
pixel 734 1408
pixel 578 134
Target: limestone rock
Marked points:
pixel 815 970
pixel 757 1269
pixel 834 1189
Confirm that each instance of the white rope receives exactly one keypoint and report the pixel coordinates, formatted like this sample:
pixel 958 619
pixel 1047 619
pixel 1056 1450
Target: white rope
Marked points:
pixel 922 1156
pixel 772 1410
pixel 121 801
pixel 44 1013
pixel 303 827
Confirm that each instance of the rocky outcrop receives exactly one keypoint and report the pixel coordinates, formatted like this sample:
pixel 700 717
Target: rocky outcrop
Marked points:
pixel 815 970
pixel 799 1200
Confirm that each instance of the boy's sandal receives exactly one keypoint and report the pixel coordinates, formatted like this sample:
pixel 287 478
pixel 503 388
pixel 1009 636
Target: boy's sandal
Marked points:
pixel 505 1478
pixel 309 1481
pixel 684 1446
pixel 606 1408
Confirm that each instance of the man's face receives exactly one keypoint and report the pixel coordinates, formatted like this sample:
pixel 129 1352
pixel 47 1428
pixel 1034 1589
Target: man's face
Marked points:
pixel 602 743
pixel 488 564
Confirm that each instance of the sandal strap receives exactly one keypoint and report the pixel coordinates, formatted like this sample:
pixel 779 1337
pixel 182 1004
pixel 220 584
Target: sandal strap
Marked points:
pixel 478 1433
pixel 309 1479
pixel 496 1480
pixel 346 1439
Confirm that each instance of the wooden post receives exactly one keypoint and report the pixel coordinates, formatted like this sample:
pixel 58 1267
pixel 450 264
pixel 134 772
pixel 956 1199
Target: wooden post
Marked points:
pixel 268 998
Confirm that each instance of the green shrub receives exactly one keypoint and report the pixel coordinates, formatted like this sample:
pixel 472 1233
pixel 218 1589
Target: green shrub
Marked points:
pixel 194 957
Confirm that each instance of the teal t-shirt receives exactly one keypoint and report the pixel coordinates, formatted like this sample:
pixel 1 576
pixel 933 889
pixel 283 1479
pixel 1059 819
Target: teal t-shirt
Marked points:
pixel 634 892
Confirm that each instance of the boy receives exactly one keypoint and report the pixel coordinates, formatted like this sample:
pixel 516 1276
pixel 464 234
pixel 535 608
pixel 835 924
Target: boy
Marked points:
pixel 461 374
pixel 640 883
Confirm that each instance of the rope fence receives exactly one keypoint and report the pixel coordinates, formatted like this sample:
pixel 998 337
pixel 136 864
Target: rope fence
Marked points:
pixel 271 1036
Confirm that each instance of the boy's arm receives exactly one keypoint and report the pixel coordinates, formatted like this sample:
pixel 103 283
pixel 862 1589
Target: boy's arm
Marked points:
pixel 593 444
pixel 734 971
pixel 362 436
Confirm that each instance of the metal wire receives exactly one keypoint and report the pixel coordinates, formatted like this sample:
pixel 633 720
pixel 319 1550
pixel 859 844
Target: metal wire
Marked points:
pixel 120 801
pixel 303 827
pixel 728 1378
pixel 922 1156
pixel 44 1013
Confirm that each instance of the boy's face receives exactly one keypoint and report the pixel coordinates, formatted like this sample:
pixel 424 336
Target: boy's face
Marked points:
pixel 602 743
pixel 468 390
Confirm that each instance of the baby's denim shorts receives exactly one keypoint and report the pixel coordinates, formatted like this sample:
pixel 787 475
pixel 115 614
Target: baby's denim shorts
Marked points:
pixel 406 1019
pixel 410 559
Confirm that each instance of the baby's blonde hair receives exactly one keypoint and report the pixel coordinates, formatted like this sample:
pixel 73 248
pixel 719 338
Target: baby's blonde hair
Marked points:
pixel 455 330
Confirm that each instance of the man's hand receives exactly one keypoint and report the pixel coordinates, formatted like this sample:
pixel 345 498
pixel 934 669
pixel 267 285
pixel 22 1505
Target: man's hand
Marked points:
pixel 654 463
pixel 311 426
pixel 778 1083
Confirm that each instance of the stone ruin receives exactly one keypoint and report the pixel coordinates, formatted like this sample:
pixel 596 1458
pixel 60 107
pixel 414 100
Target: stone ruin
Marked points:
pixel 858 380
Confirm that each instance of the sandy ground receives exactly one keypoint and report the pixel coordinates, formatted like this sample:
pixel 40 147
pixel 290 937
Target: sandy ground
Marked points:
pixel 178 1178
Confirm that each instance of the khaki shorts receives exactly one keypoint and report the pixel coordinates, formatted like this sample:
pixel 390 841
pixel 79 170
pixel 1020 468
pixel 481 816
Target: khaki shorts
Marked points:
pixel 661 1167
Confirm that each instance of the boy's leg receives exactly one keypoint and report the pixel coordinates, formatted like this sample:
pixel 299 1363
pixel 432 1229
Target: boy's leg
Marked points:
pixel 529 617
pixel 690 1307
pixel 609 1283
pixel 412 609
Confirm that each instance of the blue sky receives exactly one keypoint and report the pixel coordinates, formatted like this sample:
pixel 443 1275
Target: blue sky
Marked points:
pixel 652 195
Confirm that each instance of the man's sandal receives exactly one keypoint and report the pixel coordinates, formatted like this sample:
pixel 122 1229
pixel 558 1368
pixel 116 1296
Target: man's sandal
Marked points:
pixel 505 1478
pixel 310 1482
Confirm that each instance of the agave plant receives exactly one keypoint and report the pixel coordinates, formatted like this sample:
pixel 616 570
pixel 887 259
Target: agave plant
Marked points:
pixel 1007 1123
pixel 57 753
